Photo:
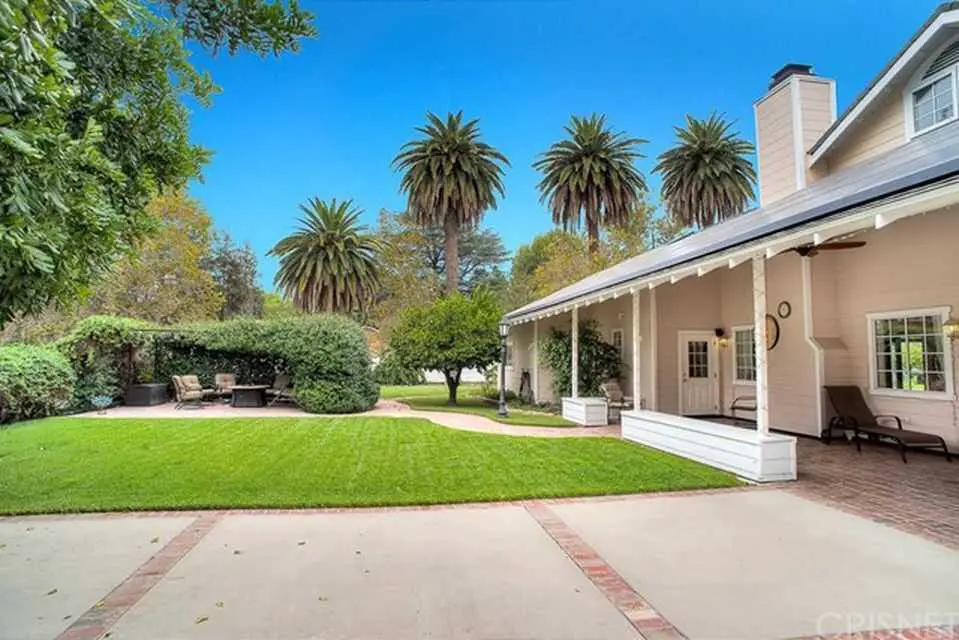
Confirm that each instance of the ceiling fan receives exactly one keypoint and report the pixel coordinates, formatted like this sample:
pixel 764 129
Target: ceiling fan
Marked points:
pixel 810 250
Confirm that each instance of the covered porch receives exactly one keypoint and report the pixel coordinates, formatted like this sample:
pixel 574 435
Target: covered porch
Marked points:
pixel 764 328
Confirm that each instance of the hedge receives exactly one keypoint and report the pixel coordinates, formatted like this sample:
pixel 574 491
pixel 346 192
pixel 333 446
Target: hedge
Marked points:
pixel 325 356
pixel 107 354
pixel 35 382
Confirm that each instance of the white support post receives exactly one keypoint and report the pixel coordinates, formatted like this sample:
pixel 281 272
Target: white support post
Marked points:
pixel 653 349
pixel 759 337
pixel 637 387
pixel 574 377
pixel 535 376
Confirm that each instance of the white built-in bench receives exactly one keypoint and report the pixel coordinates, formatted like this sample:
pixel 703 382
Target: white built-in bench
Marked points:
pixel 589 412
pixel 734 449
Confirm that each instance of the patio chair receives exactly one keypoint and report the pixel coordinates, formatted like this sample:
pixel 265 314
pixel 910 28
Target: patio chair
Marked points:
pixel 280 389
pixel 852 413
pixel 223 384
pixel 189 392
pixel 615 400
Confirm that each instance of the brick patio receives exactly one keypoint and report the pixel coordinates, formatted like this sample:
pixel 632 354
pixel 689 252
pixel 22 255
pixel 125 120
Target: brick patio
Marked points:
pixel 921 497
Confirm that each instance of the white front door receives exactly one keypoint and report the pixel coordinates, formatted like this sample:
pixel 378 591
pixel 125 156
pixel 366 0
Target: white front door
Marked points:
pixel 698 374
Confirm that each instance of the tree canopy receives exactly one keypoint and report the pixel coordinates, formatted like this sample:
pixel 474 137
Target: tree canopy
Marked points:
pixel 234 270
pixel 592 175
pixel 93 124
pixel 451 178
pixel 707 176
pixel 451 334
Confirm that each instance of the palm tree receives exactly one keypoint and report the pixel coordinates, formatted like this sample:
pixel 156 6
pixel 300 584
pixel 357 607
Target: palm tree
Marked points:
pixel 329 263
pixel 450 178
pixel 591 174
pixel 707 176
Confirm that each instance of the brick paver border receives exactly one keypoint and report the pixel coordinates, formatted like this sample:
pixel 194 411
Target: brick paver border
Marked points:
pixel 913 633
pixel 99 618
pixel 645 619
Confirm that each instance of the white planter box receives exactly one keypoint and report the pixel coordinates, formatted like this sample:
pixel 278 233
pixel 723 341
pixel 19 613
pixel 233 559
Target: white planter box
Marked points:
pixel 733 449
pixel 589 412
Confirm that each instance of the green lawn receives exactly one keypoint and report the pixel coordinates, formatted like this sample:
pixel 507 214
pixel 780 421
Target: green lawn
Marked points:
pixel 74 464
pixel 430 390
pixel 482 407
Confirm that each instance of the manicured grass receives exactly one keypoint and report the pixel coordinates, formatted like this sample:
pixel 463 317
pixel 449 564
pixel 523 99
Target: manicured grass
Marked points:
pixel 482 407
pixel 74 464
pixel 430 390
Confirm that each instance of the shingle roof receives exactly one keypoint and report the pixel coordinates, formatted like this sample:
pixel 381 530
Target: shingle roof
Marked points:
pixel 926 159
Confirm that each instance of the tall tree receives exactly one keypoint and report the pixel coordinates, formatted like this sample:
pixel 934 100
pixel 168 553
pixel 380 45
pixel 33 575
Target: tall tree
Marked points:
pixel 234 269
pixel 93 124
pixel 591 175
pixel 707 176
pixel 163 280
pixel 451 178
pixel 329 263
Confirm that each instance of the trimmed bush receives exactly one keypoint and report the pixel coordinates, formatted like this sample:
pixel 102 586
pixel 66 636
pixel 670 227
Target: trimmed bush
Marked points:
pixel 326 357
pixel 107 354
pixel 599 361
pixel 391 371
pixel 35 382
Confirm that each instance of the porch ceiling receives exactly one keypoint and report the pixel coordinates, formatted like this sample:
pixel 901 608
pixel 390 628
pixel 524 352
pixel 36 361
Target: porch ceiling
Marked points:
pixel 920 176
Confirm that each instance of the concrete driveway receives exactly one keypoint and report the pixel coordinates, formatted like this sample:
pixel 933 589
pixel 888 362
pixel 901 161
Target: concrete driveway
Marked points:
pixel 754 563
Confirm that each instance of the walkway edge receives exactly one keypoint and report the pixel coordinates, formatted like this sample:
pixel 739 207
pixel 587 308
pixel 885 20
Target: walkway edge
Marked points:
pixel 650 624
pixel 99 618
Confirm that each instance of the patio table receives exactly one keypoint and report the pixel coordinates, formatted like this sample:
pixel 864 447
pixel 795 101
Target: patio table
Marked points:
pixel 249 395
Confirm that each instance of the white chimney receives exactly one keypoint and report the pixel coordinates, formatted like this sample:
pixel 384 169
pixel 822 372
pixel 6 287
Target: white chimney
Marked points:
pixel 793 114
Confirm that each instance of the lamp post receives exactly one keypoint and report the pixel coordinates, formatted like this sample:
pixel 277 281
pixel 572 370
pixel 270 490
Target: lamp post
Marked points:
pixel 503 412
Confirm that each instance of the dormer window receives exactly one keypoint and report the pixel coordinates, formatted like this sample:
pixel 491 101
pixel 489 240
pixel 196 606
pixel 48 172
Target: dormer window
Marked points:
pixel 934 103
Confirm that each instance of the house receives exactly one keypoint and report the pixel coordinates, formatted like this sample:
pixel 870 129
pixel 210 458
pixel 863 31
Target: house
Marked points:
pixel 846 273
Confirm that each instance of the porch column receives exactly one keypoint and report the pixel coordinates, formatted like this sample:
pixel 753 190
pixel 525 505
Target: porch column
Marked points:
pixel 574 376
pixel 759 338
pixel 637 387
pixel 535 376
pixel 653 353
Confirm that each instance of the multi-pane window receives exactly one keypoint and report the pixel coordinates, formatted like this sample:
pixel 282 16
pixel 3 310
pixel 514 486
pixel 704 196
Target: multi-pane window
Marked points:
pixel 616 338
pixel 909 352
pixel 697 352
pixel 933 103
pixel 744 354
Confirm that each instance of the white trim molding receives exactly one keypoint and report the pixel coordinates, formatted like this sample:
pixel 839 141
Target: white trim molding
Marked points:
pixel 734 375
pixel 903 314
pixel 919 83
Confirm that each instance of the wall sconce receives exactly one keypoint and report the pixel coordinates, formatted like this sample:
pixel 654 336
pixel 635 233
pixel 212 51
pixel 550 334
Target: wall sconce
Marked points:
pixel 721 341
pixel 951 328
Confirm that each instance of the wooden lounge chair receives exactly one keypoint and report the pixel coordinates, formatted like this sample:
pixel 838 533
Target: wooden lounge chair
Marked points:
pixel 852 413
pixel 615 400
pixel 189 391
pixel 223 384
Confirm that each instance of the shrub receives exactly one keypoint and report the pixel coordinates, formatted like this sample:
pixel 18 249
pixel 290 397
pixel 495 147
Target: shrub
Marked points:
pixel 107 354
pixel 391 371
pixel 326 357
pixel 599 361
pixel 35 382
pixel 449 335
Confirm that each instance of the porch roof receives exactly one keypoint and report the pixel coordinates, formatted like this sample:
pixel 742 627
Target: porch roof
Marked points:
pixel 837 204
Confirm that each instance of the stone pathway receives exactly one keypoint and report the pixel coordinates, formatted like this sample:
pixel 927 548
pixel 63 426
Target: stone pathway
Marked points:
pixel 384 408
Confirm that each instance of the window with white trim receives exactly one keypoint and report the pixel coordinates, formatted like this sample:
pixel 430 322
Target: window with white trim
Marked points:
pixel 616 339
pixel 744 355
pixel 934 103
pixel 909 353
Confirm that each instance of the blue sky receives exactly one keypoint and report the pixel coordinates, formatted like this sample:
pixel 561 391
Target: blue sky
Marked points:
pixel 327 121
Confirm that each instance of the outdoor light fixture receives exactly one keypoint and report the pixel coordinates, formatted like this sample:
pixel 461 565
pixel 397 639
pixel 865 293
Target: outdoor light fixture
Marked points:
pixel 503 412
pixel 951 328
pixel 721 341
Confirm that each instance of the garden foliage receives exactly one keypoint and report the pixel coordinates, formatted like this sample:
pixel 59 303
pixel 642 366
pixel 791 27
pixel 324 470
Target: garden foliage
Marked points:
pixel 392 372
pixel 599 361
pixel 35 382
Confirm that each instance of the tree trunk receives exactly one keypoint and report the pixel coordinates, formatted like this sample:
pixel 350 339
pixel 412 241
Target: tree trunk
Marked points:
pixel 452 383
pixel 592 232
pixel 452 232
